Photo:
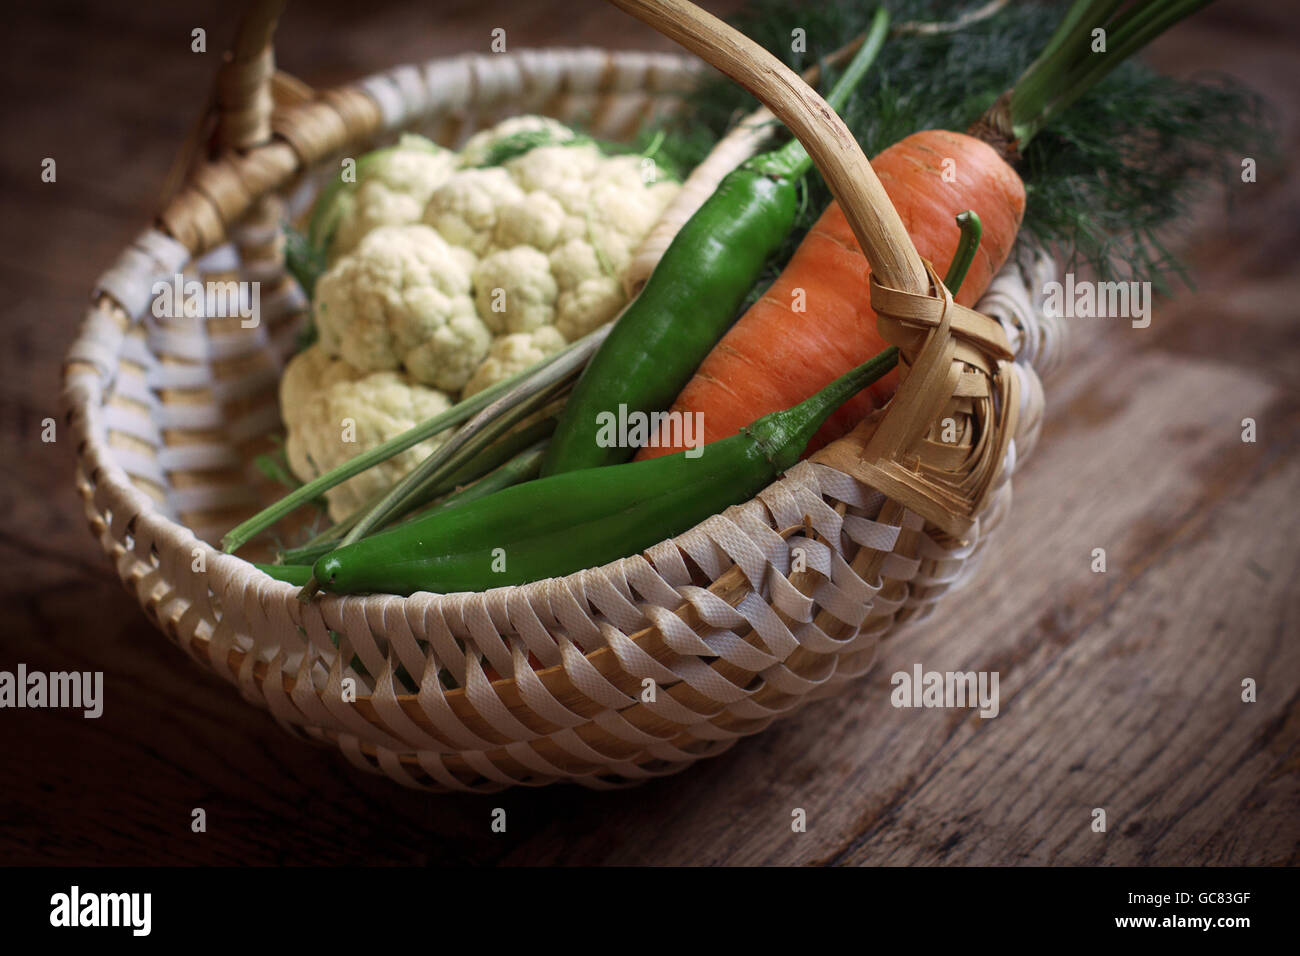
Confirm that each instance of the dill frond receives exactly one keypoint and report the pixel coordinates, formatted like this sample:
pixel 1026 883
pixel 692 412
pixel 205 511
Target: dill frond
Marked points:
pixel 1105 179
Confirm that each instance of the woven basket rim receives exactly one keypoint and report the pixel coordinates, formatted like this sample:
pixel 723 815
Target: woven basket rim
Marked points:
pixel 101 478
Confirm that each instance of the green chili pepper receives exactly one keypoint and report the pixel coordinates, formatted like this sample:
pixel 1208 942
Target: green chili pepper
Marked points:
pixel 523 467
pixel 517 443
pixel 564 523
pixel 972 230
pixel 693 294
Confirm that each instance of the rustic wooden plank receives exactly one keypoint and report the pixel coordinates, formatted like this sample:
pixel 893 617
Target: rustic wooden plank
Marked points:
pixel 1141 714
pixel 1116 688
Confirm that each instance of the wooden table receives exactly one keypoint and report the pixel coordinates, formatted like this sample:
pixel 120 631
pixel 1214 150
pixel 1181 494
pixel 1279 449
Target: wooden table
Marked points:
pixel 1120 690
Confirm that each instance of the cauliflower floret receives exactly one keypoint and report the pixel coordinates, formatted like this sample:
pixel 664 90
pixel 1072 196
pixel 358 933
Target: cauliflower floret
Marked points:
pixel 310 371
pixel 536 220
pixel 565 172
pixel 477 148
pixel 465 208
pixel 451 355
pixel 515 290
pixel 333 412
pixel 393 186
pixel 621 211
pixel 574 261
pixel 402 298
pixel 513 353
pixel 587 306
pixel 589 295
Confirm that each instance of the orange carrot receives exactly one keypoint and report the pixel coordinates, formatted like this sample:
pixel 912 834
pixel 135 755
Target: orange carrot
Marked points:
pixel 775 356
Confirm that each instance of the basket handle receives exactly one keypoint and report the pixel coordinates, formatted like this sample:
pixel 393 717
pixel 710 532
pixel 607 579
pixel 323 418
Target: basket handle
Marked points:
pixel 952 359
pixel 238 111
pixel 852 181
pixel 244 97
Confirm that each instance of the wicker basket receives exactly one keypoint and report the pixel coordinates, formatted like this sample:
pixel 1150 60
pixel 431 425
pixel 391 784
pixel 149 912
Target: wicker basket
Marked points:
pixel 742 619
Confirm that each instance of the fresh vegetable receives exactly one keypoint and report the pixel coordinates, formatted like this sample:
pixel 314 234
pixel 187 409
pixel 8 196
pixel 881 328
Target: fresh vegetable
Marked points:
pixel 815 320
pixel 694 292
pixel 331 412
pixel 561 366
pixel 552 229
pixel 1107 177
pixel 402 301
pixel 388 187
pixel 508 461
pixel 449 276
pixel 563 523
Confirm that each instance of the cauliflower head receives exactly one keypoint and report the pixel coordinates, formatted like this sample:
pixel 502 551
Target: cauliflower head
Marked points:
pixel 554 227
pixel 511 354
pixel 447 266
pixel 333 412
pixel 393 186
pixel 479 148
pixel 401 299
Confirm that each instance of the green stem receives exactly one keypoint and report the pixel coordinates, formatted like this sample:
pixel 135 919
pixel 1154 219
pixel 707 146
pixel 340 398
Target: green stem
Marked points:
pixel 477 465
pixel 1067 68
pixel 489 425
pixel 245 531
pixel 792 160
pixel 1038 80
pixel 491 458
pixel 1142 27
pixel 971 231
pixel 523 467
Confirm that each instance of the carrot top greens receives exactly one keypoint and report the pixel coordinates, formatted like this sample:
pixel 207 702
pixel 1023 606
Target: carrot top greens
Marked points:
pixel 1104 176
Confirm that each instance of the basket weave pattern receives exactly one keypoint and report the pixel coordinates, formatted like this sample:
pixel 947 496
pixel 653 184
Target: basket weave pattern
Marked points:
pixel 774 603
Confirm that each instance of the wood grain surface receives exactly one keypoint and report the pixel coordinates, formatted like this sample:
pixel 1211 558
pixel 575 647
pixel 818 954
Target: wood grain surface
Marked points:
pixel 1119 690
